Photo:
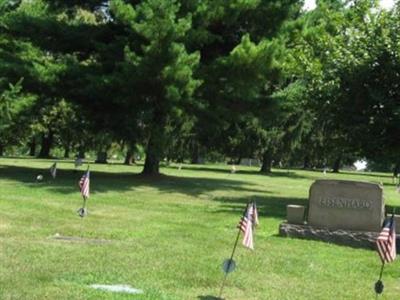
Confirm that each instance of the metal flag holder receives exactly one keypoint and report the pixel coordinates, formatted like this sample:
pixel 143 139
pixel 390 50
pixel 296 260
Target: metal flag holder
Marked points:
pixel 379 286
pixel 82 212
pixel 229 265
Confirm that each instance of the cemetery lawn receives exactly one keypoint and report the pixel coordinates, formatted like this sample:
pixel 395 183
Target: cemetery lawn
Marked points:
pixel 169 235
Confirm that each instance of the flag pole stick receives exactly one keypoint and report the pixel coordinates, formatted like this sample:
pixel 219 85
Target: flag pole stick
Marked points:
pixel 84 197
pixel 380 275
pixel 84 203
pixel 233 253
pixel 379 282
pixel 83 216
pixel 229 263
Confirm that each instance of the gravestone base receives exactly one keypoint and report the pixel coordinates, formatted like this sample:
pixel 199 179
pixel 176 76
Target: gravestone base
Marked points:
pixel 356 239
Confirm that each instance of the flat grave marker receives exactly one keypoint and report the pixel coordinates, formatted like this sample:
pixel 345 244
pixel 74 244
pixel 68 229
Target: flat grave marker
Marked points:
pixel 117 288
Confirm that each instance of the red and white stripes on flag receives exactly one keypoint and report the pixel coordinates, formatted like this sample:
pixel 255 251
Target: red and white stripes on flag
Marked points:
pixel 247 223
pixel 255 214
pixel 386 241
pixel 84 184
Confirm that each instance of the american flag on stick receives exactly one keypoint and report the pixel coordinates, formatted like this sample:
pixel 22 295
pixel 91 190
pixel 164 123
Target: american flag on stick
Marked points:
pixel 53 170
pixel 253 213
pixel 84 184
pixel 386 241
pixel 246 225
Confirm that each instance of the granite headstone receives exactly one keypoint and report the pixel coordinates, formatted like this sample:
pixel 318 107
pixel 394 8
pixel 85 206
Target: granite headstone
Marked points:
pixel 351 205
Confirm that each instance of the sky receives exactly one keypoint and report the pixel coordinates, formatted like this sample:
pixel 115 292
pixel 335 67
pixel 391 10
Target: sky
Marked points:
pixel 310 4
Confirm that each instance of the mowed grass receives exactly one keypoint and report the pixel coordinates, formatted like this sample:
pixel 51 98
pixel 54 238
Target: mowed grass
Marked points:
pixel 168 236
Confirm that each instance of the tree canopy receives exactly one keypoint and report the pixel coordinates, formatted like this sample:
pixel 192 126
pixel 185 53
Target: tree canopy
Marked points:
pixel 190 79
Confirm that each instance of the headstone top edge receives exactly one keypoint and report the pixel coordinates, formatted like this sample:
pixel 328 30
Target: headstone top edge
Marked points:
pixel 349 182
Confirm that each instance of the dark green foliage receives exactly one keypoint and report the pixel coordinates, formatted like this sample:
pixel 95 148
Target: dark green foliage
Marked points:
pixel 14 117
pixel 183 79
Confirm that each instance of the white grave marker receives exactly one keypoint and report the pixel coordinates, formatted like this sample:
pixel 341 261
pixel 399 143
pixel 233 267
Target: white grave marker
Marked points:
pixel 117 288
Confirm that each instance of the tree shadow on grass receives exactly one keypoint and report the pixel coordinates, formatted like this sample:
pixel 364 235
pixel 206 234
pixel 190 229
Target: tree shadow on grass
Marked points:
pixel 389 209
pixel 209 297
pixel 344 172
pixel 267 206
pixel 366 174
pixel 67 181
pixel 279 173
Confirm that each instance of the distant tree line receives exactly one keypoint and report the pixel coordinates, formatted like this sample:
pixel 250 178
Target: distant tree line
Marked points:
pixel 183 78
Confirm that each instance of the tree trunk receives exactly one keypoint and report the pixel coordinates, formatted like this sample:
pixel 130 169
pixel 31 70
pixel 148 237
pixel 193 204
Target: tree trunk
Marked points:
pixel 129 157
pixel 396 170
pixel 1 150
pixel 66 151
pixel 81 152
pixel 267 162
pixel 101 157
pixel 153 152
pixel 306 164
pixel 156 144
pixel 152 162
pixel 238 161
pixel 32 147
pixel 47 143
pixel 130 154
pixel 336 164
pixel 195 153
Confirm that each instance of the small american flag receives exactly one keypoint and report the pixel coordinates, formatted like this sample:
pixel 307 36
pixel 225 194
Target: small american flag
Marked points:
pixel 386 241
pixel 254 214
pixel 84 184
pixel 53 170
pixel 246 226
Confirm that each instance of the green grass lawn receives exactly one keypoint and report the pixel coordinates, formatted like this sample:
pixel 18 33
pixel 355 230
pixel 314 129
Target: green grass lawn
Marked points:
pixel 169 236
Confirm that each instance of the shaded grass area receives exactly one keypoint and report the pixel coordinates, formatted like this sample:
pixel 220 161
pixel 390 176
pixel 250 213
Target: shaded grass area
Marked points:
pixel 169 235
pixel 103 181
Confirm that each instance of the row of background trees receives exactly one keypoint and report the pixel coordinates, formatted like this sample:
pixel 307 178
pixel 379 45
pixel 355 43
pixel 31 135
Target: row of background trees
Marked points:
pixel 184 79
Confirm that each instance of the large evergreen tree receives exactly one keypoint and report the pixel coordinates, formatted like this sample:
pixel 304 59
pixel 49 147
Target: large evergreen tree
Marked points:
pixel 162 69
